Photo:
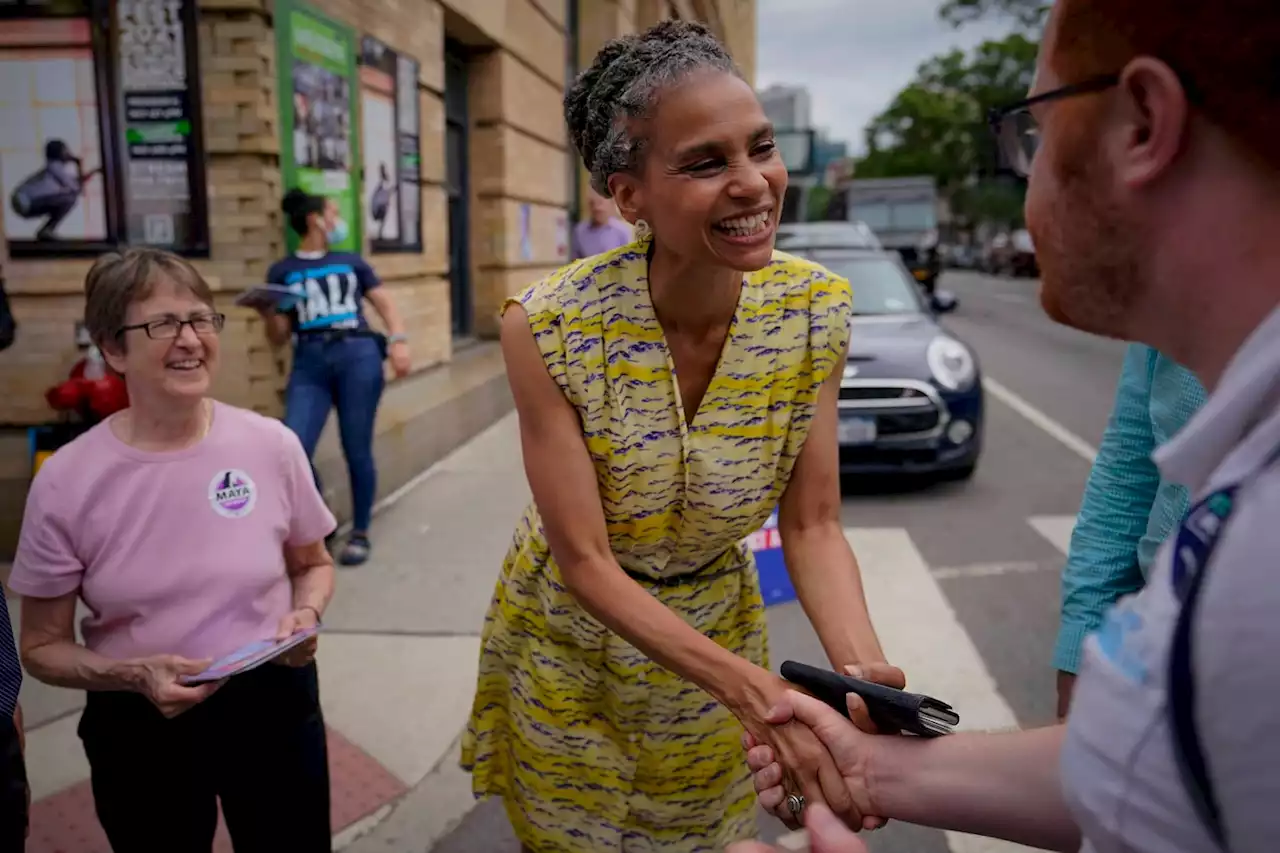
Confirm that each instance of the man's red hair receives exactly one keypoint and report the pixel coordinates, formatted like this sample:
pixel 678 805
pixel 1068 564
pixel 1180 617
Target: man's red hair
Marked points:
pixel 1227 53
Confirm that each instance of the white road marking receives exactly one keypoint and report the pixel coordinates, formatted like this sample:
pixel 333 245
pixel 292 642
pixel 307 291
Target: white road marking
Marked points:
pixel 922 634
pixel 1056 528
pixel 1066 437
pixel 986 570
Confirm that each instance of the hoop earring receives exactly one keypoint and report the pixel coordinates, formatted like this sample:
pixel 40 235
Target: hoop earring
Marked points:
pixel 642 229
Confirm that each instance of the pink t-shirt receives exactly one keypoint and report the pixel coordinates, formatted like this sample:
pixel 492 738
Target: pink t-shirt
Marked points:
pixel 174 553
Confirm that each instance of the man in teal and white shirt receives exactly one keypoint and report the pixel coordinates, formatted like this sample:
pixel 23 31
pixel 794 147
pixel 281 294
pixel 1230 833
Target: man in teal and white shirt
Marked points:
pixel 1127 510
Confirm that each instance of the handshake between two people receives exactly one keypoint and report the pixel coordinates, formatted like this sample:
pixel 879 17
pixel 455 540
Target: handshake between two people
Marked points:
pixel 828 793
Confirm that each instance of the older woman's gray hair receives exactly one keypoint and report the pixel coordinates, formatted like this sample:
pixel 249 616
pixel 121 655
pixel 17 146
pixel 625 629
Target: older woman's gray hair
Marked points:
pixel 624 84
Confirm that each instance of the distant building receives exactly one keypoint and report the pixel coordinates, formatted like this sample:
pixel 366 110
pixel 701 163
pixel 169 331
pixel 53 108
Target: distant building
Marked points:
pixel 828 151
pixel 788 107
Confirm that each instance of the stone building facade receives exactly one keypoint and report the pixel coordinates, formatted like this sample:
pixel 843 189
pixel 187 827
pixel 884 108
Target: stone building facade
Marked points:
pixel 497 183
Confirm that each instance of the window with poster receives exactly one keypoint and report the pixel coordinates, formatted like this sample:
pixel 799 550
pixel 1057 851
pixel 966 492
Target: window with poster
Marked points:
pixel 392 159
pixel 100 142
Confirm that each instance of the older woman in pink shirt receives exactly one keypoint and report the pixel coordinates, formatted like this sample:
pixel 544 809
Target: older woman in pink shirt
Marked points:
pixel 189 528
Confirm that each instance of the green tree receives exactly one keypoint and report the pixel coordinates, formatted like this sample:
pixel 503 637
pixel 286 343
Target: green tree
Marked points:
pixel 937 126
pixel 995 200
pixel 819 202
pixel 1029 15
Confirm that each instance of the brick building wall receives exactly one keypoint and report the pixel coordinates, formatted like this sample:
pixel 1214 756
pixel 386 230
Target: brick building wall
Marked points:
pixel 520 178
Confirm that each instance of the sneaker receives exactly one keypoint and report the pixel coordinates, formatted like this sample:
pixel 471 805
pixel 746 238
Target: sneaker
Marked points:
pixel 356 552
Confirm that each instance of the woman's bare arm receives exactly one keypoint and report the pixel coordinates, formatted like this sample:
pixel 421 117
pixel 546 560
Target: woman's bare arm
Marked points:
pixel 387 310
pixel 819 559
pixel 311 574
pixel 398 349
pixel 51 654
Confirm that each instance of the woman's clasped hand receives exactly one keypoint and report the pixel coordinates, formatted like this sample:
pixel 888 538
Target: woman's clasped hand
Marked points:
pixel 159 679
pixel 790 754
pixel 303 619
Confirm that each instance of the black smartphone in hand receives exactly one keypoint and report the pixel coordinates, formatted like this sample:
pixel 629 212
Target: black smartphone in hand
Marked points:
pixel 891 709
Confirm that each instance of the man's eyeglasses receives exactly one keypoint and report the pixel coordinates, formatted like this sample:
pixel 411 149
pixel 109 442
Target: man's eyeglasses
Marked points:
pixel 1015 127
pixel 171 327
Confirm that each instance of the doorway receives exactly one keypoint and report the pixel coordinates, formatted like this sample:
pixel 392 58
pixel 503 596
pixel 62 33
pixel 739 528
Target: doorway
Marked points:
pixel 457 186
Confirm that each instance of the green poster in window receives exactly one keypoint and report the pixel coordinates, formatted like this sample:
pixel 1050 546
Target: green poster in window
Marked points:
pixel 319 148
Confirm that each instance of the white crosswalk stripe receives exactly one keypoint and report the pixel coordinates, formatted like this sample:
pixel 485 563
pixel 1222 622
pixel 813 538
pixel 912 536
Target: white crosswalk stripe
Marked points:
pixel 984 570
pixel 1056 528
pixel 921 634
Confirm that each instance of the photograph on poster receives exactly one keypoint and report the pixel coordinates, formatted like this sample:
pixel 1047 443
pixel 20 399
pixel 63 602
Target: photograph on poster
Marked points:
pixel 389 136
pixel 317 70
pixel 378 115
pixel 51 153
pixel 80 175
pixel 410 130
pixel 321 118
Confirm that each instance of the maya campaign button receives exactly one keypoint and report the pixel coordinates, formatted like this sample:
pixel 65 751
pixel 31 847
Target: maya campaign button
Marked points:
pixel 232 493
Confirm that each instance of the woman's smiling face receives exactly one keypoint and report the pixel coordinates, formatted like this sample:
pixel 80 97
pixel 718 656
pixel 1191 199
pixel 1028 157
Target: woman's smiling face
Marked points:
pixel 711 181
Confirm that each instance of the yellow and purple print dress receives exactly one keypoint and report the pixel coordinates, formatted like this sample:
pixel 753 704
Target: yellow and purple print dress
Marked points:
pixel 595 748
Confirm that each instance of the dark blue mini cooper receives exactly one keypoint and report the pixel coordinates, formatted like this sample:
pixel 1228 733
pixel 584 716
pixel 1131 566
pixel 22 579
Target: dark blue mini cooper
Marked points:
pixel 911 396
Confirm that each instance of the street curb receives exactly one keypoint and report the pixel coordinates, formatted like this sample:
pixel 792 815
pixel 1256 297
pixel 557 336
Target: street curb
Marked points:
pixel 363 826
pixel 443 798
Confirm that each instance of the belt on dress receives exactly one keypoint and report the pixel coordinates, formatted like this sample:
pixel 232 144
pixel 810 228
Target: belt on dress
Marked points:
pixel 693 577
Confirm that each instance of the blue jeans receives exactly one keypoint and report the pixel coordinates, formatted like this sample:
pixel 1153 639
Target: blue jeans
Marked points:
pixel 345 373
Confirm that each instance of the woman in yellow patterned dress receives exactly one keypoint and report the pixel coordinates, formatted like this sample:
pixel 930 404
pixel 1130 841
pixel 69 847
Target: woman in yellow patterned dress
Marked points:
pixel 671 393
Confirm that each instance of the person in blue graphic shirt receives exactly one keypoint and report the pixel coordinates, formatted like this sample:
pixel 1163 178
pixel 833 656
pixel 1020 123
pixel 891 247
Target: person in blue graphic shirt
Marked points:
pixel 337 360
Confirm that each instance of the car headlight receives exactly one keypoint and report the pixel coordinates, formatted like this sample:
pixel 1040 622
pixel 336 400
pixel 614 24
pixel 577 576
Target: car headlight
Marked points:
pixel 951 363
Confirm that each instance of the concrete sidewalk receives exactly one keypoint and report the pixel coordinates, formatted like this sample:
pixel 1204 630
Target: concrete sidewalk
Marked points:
pixel 397 664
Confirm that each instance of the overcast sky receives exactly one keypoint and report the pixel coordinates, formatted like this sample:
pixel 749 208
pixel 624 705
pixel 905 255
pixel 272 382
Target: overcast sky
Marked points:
pixel 854 55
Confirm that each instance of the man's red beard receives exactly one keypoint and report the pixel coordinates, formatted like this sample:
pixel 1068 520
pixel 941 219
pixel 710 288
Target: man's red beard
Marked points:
pixel 1090 275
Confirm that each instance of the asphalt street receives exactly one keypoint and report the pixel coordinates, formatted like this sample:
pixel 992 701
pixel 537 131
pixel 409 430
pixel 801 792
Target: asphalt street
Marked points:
pixel 992 547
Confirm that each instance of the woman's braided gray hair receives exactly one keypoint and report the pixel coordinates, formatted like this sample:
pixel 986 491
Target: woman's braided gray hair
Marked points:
pixel 624 83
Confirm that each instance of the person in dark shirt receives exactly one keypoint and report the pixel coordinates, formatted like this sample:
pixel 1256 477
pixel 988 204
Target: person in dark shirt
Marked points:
pixel 337 359
pixel 14 793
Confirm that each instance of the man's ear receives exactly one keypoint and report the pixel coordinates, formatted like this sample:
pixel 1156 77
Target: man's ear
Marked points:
pixel 628 196
pixel 1156 120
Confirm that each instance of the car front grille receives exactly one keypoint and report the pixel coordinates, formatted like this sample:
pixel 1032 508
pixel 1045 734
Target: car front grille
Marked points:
pixel 883 392
pixel 903 410
pixel 906 423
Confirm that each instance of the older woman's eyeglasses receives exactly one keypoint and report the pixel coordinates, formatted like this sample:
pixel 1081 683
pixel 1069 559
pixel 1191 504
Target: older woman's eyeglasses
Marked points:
pixel 170 327
pixel 1015 127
